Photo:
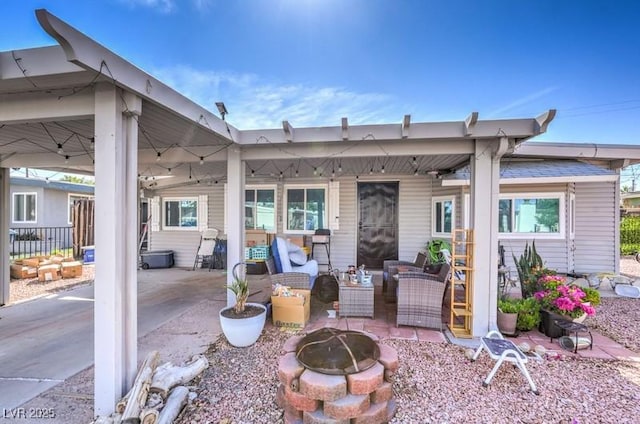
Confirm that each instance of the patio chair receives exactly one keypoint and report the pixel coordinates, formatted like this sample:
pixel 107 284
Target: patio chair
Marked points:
pixel 205 248
pixel 420 297
pixel 388 283
pixel 289 265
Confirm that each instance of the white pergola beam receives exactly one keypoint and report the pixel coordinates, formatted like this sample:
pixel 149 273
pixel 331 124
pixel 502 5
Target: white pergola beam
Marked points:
pixel 545 119
pixel 322 150
pixel 513 128
pixel 22 108
pixel 288 131
pixel 406 122
pixel 345 129
pixel 86 53
pixel 470 123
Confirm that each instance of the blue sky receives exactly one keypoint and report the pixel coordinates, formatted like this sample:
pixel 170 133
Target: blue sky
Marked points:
pixel 314 61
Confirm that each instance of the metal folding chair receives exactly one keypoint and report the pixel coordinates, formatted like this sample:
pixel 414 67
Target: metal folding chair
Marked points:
pixel 205 248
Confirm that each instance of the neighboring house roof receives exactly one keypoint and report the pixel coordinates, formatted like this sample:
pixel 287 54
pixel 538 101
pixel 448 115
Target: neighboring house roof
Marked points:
pixel 53 185
pixel 548 171
pixel 630 195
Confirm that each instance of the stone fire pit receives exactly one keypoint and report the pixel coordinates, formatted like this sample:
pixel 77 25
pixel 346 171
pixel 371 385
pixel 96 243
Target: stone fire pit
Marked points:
pixel 360 393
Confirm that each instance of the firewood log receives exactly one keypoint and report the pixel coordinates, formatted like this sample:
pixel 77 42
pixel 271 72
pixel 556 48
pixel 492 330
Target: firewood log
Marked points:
pixel 137 396
pixel 168 375
pixel 176 401
pixel 149 416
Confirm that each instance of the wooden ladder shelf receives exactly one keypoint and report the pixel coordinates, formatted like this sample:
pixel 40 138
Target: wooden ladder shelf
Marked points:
pixel 461 282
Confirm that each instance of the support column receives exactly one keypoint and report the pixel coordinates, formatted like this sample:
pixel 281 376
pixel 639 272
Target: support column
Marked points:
pixel 5 210
pixel 485 191
pixel 115 317
pixel 133 109
pixel 235 213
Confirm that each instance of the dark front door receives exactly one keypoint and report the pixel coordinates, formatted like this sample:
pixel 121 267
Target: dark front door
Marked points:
pixel 377 224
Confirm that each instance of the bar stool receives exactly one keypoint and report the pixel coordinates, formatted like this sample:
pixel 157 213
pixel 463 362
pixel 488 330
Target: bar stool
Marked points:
pixel 322 237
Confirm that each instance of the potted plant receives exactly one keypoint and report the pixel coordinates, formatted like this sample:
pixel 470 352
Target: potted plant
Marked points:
pixel 528 314
pixel 507 315
pixel 242 323
pixel 559 300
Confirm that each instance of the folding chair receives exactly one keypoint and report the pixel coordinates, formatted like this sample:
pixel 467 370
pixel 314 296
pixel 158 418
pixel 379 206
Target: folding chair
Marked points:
pixel 205 248
pixel 501 350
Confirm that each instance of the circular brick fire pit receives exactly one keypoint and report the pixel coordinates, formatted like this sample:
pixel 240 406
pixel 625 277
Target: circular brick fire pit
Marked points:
pixel 312 397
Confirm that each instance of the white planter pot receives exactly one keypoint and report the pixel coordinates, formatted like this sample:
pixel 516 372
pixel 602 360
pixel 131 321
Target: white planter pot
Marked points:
pixel 242 332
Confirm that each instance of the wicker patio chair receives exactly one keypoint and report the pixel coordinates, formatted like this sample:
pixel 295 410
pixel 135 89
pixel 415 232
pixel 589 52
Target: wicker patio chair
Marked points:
pixel 295 280
pixel 420 297
pixel 388 283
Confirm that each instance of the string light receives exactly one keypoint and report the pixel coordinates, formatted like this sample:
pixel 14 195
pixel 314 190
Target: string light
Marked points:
pixel 201 160
pixel 340 166
pixel 415 174
pixel 60 151
pixel 415 162
pixel 66 159
pixel 382 170
pixel 92 143
pixel 297 173
pixel 253 173
pixel 315 171
pixel 158 156
pixel 371 171
pixel 169 171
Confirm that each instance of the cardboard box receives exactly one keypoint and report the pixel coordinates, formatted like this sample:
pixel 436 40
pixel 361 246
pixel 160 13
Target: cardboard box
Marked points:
pixel 33 262
pixel 256 238
pixel 291 312
pixel 71 269
pixel 21 271
pixel 48 273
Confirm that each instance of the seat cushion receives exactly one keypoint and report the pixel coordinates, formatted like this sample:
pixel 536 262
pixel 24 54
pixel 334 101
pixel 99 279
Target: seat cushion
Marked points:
pixel 296 254
pixel 276 255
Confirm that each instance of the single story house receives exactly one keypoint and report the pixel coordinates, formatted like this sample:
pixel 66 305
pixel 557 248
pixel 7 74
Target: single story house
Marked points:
pixel 383 189
pixel 37 202
pixel 41 213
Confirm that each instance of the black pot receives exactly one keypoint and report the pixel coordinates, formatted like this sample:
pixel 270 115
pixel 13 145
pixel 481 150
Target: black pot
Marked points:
pixel 547 326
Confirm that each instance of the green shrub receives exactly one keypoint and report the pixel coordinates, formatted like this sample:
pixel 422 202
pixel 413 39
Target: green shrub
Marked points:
pixel 508 305
pixel 528 314
pixel 591 295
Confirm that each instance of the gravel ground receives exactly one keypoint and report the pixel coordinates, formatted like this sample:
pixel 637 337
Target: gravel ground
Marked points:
pixel 21 290
pixel 437 384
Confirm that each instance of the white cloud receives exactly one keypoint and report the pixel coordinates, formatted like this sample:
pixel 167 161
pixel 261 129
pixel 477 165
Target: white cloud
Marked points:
pixel 163 6
pixel 255 103
pixel 521 102
pixel 166 6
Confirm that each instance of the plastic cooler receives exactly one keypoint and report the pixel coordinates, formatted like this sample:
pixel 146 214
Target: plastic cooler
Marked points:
pixel 156 259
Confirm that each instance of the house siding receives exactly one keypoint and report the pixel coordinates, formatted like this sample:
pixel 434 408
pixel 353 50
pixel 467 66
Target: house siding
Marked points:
pixel 595 242
pixel 184 244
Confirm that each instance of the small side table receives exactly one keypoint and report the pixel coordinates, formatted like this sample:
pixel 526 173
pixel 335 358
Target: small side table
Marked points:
pixel 574 327
pixel 356 299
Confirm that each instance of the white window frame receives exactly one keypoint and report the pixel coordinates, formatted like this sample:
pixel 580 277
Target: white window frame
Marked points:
pixel 285 214
pixel 544 195
pixel 273 187
pixel 13 207
pixel 79 196
pixel 180 199
pixel 442 199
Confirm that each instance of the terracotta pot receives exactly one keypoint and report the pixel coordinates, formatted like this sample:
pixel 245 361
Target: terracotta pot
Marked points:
pixel 507 322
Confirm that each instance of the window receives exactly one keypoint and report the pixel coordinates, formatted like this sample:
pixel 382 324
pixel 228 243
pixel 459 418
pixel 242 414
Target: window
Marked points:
pixel 72 198
pixel 24 207
pixel 180 213
pixel 443 209
pixel 305 208
pixel 260 208
pixel 538 214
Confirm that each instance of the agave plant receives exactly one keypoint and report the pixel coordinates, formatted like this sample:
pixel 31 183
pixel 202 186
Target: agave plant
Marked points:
pixel 529 264
pixel 239 287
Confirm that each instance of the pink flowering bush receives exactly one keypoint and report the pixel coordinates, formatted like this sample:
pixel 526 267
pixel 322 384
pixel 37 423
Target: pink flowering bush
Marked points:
pixel 561 298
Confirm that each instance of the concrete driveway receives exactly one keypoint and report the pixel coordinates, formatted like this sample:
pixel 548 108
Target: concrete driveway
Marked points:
pixel 47 340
